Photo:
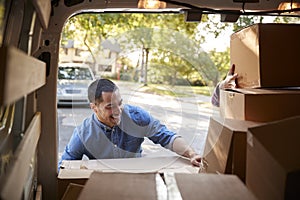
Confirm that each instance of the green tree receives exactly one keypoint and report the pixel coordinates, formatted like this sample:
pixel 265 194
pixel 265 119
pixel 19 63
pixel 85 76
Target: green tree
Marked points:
pixel 246 20
pixel 221 61
pixel 89 30
pixel 140 32
pixel 283 19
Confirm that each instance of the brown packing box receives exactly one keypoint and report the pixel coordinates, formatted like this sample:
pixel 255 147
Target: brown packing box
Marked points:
pixel 72 192
pixel 261 105
pixel 137 186
pixel 125 186
pixel 225 148
pixel 67 177
pixel 266 55
pixel 78 171
pixel 273 160
pixel 212 187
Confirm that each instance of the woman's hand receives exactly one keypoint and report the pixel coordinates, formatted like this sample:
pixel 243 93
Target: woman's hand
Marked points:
pixel 230 81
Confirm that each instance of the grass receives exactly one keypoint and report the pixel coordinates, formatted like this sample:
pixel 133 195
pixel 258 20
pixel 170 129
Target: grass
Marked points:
pixel 176 91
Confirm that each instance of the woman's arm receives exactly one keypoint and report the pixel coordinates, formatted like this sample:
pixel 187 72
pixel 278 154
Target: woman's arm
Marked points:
pixel 228 82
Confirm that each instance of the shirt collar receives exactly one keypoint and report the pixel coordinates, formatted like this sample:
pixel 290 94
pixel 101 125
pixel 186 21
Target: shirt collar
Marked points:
pixel 103 126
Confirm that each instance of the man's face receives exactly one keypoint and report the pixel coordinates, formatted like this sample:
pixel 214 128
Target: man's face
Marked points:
pixel 110 109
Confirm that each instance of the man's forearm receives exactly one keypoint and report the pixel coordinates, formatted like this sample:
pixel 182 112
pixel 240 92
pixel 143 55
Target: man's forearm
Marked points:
pixel 181 147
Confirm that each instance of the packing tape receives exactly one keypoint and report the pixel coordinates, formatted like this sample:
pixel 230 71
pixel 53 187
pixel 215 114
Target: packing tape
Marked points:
pixel 203 166
pixel 173 191
pixel 161 189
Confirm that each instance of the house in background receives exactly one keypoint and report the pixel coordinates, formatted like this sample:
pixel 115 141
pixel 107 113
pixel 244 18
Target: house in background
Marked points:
pixel 70 53
pixel 106 59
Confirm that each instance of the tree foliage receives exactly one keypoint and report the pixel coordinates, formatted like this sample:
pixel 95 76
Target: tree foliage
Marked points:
pixel 160 33
pixel 245 21
pixel 222 61
pixel 174 45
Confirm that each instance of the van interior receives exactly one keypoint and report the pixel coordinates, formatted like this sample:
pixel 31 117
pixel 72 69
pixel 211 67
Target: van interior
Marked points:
pixel 30 35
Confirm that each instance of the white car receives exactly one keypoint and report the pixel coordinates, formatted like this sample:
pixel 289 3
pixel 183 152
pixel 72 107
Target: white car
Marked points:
pixel 73 82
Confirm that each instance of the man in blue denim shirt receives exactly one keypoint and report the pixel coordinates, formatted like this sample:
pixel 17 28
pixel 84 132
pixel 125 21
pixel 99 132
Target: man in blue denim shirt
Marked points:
pixel 117 131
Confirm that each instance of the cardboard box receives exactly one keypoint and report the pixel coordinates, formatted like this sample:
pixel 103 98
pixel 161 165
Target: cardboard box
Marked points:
pixel 212 187
pixel 273 160
pixel 131 165
pixel 67 177
pixel 261 105
pixel 150 186
pixel 72 192
pixel 225 148
pixel 79 171
pixel 125 186
pixel 266 55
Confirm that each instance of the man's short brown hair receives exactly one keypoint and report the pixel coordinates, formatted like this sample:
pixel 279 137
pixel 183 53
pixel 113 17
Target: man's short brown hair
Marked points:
pixel 97 87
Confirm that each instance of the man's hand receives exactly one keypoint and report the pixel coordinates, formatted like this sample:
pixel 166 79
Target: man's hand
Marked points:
pixel 195 159
pixel 182 148
pixel 229 81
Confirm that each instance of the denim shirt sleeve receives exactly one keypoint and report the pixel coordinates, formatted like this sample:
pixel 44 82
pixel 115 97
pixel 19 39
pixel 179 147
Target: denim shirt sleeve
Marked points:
pixel 160 134
pixel 74 150
pixel 156 131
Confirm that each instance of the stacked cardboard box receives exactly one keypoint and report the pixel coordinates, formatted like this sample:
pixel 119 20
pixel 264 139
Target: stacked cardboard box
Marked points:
pixel 260 105
pixel 273 160
pixel 78 171
pixel 127 186
pixel 265 59
pixel 266 55
pixel 225 149
pixel 212 187
pixel 154 186
pixel 268 92
pixel 138 182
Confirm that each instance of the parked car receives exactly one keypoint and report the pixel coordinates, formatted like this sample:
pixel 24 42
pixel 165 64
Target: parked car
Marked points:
pixel 72 84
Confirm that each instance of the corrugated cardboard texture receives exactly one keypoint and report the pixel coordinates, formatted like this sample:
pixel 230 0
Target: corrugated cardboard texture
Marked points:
pixel 125 186
pixel 261 105
pixel 225 148
pixel 273 160
pixel 217 147
pixel 72 192
pixel 212 187
pixel 266 55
